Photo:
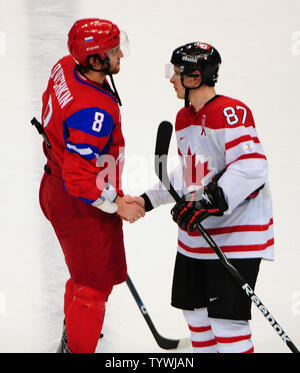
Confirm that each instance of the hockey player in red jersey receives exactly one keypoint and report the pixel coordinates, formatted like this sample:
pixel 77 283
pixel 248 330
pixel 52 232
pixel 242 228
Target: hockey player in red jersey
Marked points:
pixel 81 192
pixel 222 181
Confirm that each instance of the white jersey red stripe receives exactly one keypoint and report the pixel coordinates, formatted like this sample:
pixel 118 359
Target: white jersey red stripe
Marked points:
pixel 236 228
pixel 226 249
pixel 235 142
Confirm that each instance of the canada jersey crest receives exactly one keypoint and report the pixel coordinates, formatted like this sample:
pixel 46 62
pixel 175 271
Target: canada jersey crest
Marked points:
pixel 197 169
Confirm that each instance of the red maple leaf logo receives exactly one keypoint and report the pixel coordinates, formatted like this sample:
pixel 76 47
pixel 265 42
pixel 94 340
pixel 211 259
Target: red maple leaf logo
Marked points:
pixel 195 172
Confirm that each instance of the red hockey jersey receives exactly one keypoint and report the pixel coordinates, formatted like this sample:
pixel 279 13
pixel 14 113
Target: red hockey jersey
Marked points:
pixel 222 136
pixel 82 121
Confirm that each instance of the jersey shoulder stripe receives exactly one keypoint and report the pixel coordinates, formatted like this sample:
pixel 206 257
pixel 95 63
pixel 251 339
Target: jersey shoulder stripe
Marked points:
pixel 93 121
pixel 247 156
pixel 87 151
pixel 239 140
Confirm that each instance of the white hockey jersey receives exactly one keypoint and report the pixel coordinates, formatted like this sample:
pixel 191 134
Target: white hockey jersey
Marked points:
pixel 220 136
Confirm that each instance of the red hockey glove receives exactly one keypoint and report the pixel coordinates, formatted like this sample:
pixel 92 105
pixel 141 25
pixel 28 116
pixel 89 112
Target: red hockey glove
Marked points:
pixel 194 207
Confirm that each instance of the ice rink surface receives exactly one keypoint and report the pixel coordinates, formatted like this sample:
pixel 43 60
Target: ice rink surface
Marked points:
pixel 260 47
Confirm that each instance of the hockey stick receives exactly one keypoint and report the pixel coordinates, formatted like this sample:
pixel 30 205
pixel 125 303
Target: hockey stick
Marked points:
pixel 165 343
pixel 163 139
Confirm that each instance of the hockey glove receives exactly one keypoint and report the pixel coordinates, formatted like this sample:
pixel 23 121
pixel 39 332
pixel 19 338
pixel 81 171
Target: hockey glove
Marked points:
pixel 194 207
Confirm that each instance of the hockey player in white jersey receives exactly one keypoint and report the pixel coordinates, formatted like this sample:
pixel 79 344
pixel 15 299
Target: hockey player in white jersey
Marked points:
pixel 222 181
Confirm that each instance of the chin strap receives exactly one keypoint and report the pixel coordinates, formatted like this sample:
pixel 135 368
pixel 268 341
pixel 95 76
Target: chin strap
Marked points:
pixel 187 91
pixel 115 89
pixel 186 97
pixel 107 72
pixel 187 94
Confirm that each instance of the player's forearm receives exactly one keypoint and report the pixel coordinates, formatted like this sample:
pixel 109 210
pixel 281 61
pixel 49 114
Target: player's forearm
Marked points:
pixel 84 179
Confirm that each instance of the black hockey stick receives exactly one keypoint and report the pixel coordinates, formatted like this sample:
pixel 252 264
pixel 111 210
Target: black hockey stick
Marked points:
pixel 165 343
pixel 163 139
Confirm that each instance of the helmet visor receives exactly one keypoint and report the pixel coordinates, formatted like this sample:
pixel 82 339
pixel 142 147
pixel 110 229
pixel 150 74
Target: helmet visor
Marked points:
pixel 123 46
pixel 124 43
pixel 169 70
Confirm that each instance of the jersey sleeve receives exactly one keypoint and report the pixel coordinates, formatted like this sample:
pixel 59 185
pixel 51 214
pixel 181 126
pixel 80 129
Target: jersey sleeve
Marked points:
pixel 159 195
pixel 88 134
pixel 246 163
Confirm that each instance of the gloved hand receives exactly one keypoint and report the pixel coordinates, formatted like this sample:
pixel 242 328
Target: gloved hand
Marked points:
pixel 196 206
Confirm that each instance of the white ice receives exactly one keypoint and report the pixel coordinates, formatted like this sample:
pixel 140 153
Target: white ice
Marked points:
pixel 260 45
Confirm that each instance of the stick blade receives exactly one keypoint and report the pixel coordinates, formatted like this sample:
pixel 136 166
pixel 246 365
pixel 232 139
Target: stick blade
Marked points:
pixel 173 344
pixel 163 138
pixel 184 343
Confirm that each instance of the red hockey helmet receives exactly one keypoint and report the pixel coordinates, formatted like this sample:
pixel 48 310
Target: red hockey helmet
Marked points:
pixel 92 36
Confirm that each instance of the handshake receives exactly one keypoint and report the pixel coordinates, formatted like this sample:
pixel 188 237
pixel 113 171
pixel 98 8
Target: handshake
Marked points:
pixel 130 208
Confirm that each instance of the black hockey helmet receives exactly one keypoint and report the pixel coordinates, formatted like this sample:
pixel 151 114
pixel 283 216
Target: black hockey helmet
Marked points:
pixel 198 56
